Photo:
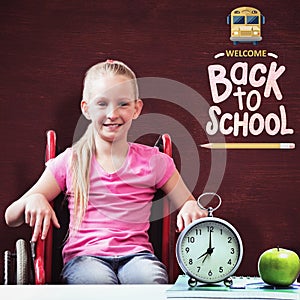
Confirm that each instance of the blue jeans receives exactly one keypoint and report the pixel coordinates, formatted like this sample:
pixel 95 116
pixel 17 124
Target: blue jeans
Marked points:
pixel 139 268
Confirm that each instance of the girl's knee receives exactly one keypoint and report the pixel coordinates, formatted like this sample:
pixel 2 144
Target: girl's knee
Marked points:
pixel 88 270
pixel 143 270
pixel 156 275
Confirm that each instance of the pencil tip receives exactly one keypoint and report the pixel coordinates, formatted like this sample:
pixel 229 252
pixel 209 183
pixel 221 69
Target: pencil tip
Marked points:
pixel 205 145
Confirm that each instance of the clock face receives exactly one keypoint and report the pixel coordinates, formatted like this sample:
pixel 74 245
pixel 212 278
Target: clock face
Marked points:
pixel 209 250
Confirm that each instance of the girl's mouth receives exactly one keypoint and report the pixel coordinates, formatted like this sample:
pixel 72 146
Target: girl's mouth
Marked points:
pixel 112 126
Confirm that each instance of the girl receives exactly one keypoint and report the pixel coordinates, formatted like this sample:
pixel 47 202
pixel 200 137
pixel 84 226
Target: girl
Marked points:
pixel 109 184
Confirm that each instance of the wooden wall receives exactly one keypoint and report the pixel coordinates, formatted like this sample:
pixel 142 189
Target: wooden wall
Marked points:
pixel 46 46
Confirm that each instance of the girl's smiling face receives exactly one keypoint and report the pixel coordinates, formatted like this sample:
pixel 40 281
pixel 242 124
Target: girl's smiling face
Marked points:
pixel 112 105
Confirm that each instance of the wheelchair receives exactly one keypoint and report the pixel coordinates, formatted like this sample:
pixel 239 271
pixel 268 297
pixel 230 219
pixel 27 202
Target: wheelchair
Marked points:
pixel 41 262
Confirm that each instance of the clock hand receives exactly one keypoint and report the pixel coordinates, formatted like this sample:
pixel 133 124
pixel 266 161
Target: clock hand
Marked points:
pixel 209 249
pixel 206 253
pixel 209 252
pixel 205 258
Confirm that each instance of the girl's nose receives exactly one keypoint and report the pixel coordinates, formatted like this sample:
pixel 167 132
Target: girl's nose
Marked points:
pixel 112 112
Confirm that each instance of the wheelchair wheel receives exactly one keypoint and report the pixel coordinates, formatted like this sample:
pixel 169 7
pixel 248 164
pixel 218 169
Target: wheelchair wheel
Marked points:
pixel 7 267
pixel 22 263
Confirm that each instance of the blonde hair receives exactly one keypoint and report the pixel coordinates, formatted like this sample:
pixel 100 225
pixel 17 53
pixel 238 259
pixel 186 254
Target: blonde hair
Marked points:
pixel 84 149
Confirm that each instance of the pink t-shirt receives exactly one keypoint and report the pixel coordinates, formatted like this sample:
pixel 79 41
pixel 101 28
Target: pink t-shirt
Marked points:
pixel 117 217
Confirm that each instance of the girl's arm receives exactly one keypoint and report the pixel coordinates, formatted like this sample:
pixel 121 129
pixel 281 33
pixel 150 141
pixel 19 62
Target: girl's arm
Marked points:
pixel 34 208
pixel 180 195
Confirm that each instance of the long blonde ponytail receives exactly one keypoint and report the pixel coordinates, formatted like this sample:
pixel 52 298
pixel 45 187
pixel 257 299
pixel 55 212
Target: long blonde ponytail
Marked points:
pixel 81 161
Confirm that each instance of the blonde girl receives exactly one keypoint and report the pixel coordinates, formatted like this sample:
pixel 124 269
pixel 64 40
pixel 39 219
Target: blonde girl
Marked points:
pixel 109 184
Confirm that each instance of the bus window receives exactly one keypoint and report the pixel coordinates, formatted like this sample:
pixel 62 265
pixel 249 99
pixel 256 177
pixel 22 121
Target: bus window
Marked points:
pixel 252 20
pixel 238 20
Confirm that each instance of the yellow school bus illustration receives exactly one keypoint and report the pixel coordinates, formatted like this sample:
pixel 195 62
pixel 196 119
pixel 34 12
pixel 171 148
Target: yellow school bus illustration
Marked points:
pixel 246 23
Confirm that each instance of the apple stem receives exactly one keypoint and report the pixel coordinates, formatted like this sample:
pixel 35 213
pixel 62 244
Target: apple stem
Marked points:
pixel 277 247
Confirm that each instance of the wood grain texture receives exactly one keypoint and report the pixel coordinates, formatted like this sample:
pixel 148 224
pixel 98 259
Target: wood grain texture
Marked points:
pixel 47 46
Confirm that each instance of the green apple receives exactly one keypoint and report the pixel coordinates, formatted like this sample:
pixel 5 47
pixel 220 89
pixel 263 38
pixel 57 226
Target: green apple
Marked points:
pixel 278 266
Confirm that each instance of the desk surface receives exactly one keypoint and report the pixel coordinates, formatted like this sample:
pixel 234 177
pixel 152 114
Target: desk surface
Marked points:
pixel 84 292
pixel 99 292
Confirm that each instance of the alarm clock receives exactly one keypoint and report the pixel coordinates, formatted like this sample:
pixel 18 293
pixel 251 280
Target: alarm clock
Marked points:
pixel 210 249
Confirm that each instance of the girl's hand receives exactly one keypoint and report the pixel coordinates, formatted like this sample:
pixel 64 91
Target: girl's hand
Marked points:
pixel 189 212
pixel 39 214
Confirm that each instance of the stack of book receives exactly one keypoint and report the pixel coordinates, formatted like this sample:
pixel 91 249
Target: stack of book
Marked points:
pixel 242 288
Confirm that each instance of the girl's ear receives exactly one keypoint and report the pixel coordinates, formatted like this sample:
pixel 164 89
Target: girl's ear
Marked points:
pixel 138 108
pixel 84 109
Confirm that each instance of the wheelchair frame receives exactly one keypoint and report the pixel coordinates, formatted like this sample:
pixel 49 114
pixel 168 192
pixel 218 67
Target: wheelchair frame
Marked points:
pixel 42 250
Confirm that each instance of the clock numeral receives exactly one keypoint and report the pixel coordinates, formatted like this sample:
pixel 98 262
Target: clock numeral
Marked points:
pixel 187 249
pixel 198 269
pixel 210 273
pixel 229 262
pixel 232 251
pixel 191 239
pixel 198 231
pixel 210 228
pixel 229 240
pixel 221 231
pixel 190 261
pixel 221 270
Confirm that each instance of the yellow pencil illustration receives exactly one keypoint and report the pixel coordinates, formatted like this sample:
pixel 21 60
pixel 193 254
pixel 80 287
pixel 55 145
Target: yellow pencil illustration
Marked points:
pixel 249 146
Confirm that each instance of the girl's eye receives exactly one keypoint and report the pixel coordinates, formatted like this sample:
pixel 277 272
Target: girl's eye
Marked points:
pixel 123 104
pixel 102 104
